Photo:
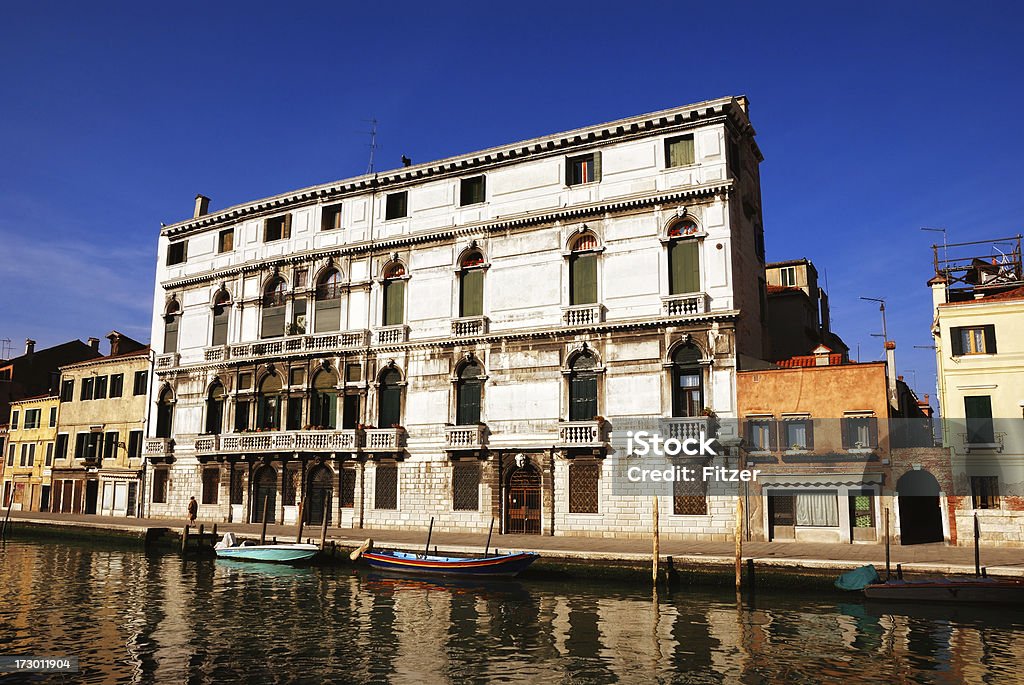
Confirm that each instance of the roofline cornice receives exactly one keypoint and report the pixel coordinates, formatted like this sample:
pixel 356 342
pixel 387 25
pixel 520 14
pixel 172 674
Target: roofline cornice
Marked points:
pixel 475 229
pixel 654 123
pixel 100 361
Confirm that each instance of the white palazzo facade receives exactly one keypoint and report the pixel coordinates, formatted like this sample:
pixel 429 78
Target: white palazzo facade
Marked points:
pixel 461 339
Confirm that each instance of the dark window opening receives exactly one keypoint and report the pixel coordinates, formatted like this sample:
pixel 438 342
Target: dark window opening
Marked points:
pixel 396 206
pixel 472 190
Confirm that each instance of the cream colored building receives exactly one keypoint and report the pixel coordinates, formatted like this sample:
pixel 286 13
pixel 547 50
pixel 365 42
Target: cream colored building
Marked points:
pixel 978 297
pixel 29 456
pixel 98 463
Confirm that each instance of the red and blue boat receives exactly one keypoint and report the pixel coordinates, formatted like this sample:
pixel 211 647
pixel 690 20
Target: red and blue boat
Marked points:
pixel 496 566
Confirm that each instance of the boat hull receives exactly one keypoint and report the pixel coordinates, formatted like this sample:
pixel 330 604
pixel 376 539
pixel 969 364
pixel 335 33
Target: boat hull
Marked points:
pixel 505 566
pixel 282 554
pixel 959 591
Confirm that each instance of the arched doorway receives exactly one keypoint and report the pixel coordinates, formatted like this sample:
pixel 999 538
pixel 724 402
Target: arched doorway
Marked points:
pixel 319 495
pixel 920 514
pixel 264 490
pixel 522 501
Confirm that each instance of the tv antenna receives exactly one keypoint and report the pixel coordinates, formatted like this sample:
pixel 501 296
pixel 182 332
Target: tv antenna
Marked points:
pixel 945 248
pixel 373 144
pixel 881 308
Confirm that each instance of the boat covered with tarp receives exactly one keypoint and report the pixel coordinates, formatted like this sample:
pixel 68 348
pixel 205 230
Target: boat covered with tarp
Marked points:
pixel 230 547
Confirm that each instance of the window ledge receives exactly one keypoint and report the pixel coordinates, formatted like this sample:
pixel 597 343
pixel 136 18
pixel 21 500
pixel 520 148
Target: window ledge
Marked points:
pixel 998 447
pixel 861 450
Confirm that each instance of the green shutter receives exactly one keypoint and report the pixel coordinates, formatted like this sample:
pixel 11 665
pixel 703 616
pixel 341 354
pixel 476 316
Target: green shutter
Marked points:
pixel 390 411
pixel 978 410
pixel 684 267
pixel 990 338
pixel 471 299
pixel 583 279
pixel 468 410
pixel 583 398
pixel 597 166
pixel 956 341
pixel 394 302
pixel 170 334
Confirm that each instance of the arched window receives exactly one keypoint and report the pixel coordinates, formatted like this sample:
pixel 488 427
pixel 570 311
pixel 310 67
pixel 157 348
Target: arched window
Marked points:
pixel 221 314
pixel 394 295
pixel 268 407
pixel 389 399
pixel 687 382
pixel 215 409
pixel 324 412
pixel 273 309
pixel 583 270
pixel 471 285
pixel 583 388
pixel 683 258
pixel 328 303
pixel 468 394
pixel 165 414
pixel 172 317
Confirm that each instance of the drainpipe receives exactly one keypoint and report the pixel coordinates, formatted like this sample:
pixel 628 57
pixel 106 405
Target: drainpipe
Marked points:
pixel 141 505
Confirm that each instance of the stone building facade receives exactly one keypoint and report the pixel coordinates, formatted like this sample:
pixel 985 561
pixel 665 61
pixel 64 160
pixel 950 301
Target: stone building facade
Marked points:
pixel 459 340
pixel 101 431
pixel 29 453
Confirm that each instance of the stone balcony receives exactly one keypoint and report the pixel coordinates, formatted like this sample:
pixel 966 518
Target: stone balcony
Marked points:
pixel 346 440
pixel 683 428
pixel 295 344
pixel 469 326
pixel 583 315
pixel 166 361
pixel 683 305
pixel 385 439
pixel 391 335
pixel 581 434
pixel 156 449
pixel 473 437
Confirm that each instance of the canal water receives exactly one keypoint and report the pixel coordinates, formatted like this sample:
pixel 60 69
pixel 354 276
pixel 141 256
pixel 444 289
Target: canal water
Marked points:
pixel 132 617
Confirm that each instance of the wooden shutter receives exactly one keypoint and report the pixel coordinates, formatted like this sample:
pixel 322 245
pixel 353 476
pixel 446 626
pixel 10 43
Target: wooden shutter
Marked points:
pixel 583 398
pixel 468 411
pixel 990 338
pixel 845 427
pixel 597 167
pixel 170 334
pixel 390 410
pixel 684 267
pixel 956 341
pixel 773 435
pixel 471 297
pixel 872 431
pixel 809 430
pixel 220 325
pixel 583 279
pixel 286 226
pixel 978 411
pixel 394 302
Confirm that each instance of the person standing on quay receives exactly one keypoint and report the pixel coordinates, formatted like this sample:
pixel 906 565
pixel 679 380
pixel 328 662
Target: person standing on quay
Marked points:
pixel 193 510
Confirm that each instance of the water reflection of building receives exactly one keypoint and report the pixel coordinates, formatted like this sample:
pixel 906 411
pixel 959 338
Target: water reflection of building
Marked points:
pixel 457 339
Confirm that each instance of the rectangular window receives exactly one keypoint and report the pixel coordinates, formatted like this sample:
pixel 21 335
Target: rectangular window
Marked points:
pixel 348 488
pixel 583 279
pixel 86 393
pixel 583 485
pixel 298 325
pixel 277 228
pixel 32 454
pixel 24 455
pixel 465 486
pixel 583 169
pixel 762 434
pixel 100 389
pixel 81 445
pixel 471 293
pixel 140 383
pixel 49 454
pixel 679 151
pixel 985 492
pixel 787 276
pixel 798 433
pixel 10 455
pixel 472 190
pixel 862 509
pixel 689 497
pixel 294 417
pixel 226 241
pixel 817 508
pixel 980 428
pixel 117 385
pixel 394 302
pixel 110 445
pixel 859 432
pixel 32 418
pixel 53 417
pixel 67 391
pixel 973 340
pixel 135 444
pixel 684 267
pixel 385 495
pixel 211 485
pixel 62 446
pixel 159 486
pixel 177 253
pixel 242 415
pixel 396 205
pixel 331 218
pixel 14 419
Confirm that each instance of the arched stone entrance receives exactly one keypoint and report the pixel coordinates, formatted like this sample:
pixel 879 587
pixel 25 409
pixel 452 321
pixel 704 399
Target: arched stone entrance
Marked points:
pixel 264 489
pixel 522 500
pixel 920 513
pixel 319 495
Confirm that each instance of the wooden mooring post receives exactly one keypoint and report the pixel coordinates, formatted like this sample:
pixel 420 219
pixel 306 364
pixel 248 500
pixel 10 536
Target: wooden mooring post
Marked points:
pixel 184 539
pixel 302 522
pixel 323 532
pixel 263 533
pixel 656 552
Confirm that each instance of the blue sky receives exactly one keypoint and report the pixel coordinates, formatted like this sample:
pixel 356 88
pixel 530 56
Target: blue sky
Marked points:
pixel 874 120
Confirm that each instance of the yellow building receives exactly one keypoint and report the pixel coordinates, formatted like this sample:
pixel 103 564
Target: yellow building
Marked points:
pixel 98 465
pixel 978 298
pixel 30 453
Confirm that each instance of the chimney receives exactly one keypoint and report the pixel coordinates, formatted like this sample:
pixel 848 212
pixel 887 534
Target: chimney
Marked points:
pixel 202 206
pixel 115 343
pixel 821 355
pixel 890 372
pixel 94 343
pixel 30 346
